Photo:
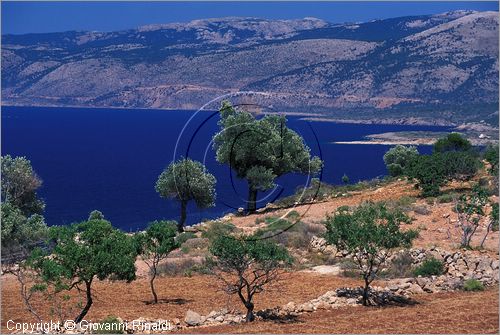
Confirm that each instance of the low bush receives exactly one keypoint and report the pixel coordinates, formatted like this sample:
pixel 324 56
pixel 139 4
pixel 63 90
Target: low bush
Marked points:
pixel 401 266
pixel 183 237
pixel 183 267
pixel 110 325
pixel 430 267
pixel 290 234
pixel 421 210
pixel 350 269
pixel 292 215
pixel 198 245
pixel 318 191
pixel 472 285
pixel 446 198
pixel 217 228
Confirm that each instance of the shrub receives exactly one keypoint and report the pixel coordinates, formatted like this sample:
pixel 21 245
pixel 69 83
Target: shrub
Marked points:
pixel 430 267
pixel 183 237
pixel 350 269
pixel 446 198
pixel 110 325
pixel 422 210
pixel 433 171
pixel 192 245
pixel 452 142
pixel 401 266
pixel 472 285
pixel 292 215
pixel 183 267
pixel 217 228
pixel 491 156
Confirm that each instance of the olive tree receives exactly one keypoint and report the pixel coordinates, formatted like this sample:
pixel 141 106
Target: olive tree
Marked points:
pixel 245 265
pixel 19 233
pixel 19 185
pixel 83 252
pixel 493 222
pixel 260 150
pixel 368 233
pixel 154 244
pixel 470 211
pixel 23 226
pixel 187 180
pixel 398 157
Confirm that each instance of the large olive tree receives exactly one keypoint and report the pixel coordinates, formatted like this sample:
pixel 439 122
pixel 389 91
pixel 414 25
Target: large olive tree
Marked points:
pixel 260 150
pixel 187 180
pixel 19 185
pixel 23 225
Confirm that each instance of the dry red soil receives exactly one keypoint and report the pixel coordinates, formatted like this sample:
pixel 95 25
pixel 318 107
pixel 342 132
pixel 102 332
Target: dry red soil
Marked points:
pixel 453 312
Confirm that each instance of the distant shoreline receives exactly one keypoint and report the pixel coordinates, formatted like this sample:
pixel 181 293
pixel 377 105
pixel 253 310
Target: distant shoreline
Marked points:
pixel 161 109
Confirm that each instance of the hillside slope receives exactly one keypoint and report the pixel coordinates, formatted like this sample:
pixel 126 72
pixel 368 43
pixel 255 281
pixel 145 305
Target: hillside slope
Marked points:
pixel 303 65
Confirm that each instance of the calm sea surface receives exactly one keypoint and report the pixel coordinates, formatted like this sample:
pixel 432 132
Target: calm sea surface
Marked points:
pixel 109 159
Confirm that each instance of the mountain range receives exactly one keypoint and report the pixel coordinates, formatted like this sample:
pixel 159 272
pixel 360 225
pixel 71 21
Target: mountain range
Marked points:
pixel 440 69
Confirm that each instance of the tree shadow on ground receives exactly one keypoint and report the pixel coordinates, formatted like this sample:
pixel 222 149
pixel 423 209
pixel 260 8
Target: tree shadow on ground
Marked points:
pixel 270 315
pixel 377 298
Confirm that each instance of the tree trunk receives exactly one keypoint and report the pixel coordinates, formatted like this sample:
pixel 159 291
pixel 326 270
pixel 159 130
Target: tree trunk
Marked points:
pixel 365 292
pixel 485 235
pixel 250 316
pixel 85 310
pixel 252 200
pixel 180 225
pixel 151 283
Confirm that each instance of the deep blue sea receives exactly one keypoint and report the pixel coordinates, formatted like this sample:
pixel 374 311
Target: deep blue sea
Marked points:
pixel 110 159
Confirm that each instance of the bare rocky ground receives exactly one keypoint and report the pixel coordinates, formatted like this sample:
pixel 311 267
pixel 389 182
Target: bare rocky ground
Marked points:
pixel 312 297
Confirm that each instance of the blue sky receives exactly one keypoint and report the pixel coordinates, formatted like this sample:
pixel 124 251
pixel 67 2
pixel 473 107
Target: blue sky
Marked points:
pixel 31 17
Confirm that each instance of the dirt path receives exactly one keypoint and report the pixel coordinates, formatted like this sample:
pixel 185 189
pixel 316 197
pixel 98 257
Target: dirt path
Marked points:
pixel 316 212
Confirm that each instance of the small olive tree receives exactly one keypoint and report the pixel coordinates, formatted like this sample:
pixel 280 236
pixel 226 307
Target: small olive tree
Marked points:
pixel 245 265
pixel 368 233
pixel 493 222
pixel 83 252
pixel 470 210
pixel 187 180
pixel 398 157
pixel 154 245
